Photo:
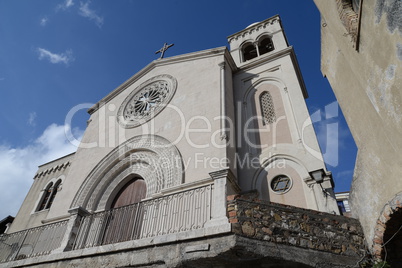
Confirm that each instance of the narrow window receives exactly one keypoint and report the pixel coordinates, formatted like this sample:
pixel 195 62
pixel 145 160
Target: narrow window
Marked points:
pixel 249 52
pixel 53 195
pixel 267 108
pixel 46 197
pixel 265 45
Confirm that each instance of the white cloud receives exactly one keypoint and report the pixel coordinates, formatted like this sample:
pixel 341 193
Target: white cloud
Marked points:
pixel 85 11
pixel 65 57
pixel 19 165
pixel 32 119
pixel 67 4
pixel 44 21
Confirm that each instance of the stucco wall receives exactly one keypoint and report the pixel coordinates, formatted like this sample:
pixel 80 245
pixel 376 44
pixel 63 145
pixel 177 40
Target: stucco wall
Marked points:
pixel 28 215
pixel 196 96
pixel 367 84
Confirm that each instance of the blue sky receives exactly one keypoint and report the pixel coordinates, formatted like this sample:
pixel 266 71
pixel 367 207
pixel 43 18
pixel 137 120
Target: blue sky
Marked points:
pixel 55 55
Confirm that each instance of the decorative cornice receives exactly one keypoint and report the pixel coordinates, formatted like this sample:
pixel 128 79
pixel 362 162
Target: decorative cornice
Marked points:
pixel 52 169
pixel 254 28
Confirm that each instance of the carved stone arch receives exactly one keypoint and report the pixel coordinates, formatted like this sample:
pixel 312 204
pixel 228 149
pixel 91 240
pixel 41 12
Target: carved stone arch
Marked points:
pixel 387 233
pixel 264 34
pixel 151 157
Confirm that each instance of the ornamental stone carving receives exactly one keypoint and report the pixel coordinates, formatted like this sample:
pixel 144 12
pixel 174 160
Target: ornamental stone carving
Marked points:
pixel 146 101
pixel 151 157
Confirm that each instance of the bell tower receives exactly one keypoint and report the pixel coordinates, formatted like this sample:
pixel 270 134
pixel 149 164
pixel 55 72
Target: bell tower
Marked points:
pixel 257 40
pixel 277 148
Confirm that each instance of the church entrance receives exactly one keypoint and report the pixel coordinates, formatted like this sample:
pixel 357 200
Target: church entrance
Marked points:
pixel 125 217
pixel 133 192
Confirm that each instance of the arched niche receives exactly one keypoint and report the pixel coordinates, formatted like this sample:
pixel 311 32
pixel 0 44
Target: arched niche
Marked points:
pixel 267 134
pixel 282 166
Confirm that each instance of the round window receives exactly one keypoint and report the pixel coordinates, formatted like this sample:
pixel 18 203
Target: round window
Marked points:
pixel 147 100
pixel 281 184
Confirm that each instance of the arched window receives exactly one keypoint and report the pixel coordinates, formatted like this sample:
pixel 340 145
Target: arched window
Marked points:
pixel 133 192
pixel 265 45
pixel 53 195
pixel 249 52
pixel 267 108
pixel 49 195
pixel 46 196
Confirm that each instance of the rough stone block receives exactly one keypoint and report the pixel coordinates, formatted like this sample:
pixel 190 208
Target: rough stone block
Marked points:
pixel 248 229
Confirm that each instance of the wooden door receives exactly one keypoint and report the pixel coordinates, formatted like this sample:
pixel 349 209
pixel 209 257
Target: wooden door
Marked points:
pixel 124 221
pixel 132 192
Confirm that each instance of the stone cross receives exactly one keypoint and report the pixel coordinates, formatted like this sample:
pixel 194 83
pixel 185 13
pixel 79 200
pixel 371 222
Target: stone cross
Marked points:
pixel 163 49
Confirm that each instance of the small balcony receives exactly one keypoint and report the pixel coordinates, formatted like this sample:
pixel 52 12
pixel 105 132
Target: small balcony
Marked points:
pixel 180 212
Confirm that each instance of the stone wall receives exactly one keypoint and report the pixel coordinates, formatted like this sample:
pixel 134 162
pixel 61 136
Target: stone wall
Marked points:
pixel 298 227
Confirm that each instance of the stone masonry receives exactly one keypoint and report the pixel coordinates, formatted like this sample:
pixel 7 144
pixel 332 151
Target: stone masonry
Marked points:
pixel 298 227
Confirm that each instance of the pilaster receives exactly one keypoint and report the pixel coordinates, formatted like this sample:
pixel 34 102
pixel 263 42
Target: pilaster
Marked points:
pixel 76 214
pixel 224 183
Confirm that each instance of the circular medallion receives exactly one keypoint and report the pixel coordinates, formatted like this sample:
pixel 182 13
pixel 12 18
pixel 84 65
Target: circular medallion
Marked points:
pixel 146 101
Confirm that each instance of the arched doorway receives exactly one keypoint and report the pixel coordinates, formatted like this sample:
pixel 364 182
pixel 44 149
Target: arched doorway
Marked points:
pixel 125 216
pixel 393 239
pixel 387 241
pixel 151 157
pixel 132 192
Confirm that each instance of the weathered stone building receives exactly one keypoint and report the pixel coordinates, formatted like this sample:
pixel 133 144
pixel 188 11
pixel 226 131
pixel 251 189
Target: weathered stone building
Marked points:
pixel 156 180
pixel 362 59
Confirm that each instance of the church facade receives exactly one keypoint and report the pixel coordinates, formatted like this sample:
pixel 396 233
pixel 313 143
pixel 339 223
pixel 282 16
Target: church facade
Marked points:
pixel 164 153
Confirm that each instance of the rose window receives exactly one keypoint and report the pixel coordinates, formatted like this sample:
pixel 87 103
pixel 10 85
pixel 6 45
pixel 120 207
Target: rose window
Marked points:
pixel 147 100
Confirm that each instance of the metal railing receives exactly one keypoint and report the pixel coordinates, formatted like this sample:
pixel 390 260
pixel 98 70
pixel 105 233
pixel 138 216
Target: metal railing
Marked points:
pixel 32 242
pixel 183 211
